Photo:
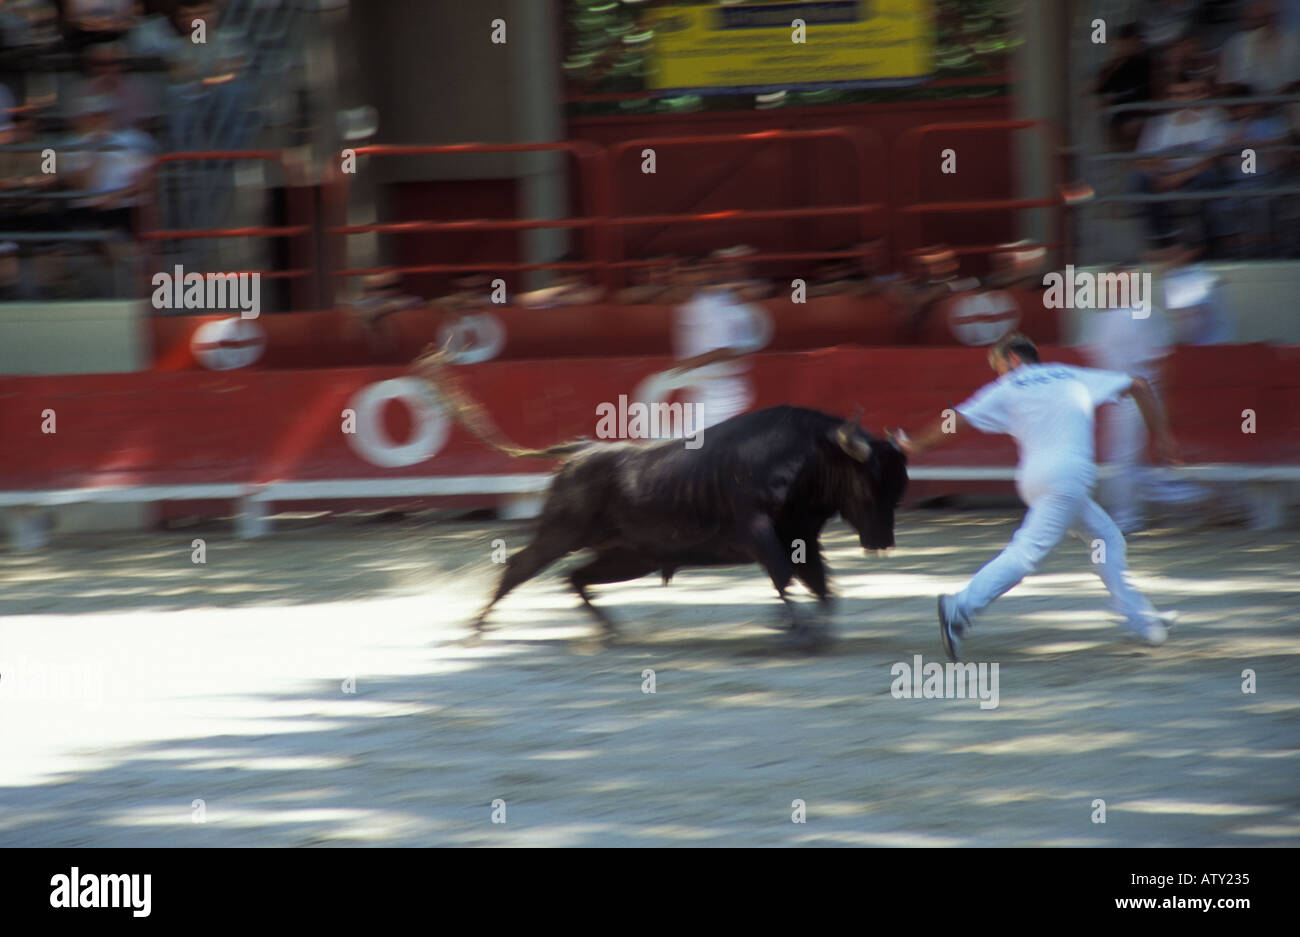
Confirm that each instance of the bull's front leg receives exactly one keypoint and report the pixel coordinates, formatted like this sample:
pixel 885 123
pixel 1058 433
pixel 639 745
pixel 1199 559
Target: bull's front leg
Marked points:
pixel 777 557
pixel 770 553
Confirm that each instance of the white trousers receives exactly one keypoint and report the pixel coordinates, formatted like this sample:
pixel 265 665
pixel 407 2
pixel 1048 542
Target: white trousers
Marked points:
pixel 1053 512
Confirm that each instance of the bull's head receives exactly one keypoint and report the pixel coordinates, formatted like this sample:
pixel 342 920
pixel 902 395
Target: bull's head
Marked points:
pixel 871 486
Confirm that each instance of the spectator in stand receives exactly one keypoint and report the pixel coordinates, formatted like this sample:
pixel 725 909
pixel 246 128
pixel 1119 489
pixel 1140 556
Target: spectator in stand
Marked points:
pixel 852 276
pixel 654 283
pixel 108 167
pixel 931 275
pixel 469 292
pixel 14 28
pixel 1018 265
pixel 1265 55
pixel 31 268
pixel 571 288
pixel 105 163
pixel 20 170
pixel 1255 127
pixel 1164 22
pixel 840 276
pixel 381 297
pixel 1187 56
pixel 90 21
pixel 15 34
pixel 204 76
pixel 135 106
pixel 1126 79
pixel 1198 134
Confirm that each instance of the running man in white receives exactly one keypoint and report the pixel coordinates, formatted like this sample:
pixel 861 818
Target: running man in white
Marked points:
pixel 714 332
pixel 1049 409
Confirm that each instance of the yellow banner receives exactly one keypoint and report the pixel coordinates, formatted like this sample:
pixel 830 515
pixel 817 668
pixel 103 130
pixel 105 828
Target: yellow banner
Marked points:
pixel 757 47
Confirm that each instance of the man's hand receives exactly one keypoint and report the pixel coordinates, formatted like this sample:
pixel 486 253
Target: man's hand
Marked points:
pixel 900 439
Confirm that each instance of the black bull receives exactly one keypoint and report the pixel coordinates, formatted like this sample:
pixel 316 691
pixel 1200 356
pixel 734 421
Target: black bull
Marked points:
pixel 760 483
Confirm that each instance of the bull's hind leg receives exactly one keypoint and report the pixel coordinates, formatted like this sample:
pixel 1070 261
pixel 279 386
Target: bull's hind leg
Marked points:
pixel 524 565
pixel 612 566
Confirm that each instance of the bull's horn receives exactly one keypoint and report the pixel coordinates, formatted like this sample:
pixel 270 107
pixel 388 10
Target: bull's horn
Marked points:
pixel 851 441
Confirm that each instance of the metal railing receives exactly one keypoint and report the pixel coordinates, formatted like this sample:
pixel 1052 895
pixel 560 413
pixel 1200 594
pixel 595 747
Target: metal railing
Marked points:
pixel 881 183
pixel 594 200
pixel 909 210
pixel 151 231
pixel 870 159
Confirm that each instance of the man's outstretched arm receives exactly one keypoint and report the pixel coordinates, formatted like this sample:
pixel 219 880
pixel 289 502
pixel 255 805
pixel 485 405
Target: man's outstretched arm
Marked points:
pixel 1163 446
pixel 931 436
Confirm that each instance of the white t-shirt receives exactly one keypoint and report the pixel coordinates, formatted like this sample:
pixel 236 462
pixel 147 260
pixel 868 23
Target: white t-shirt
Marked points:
pixel 712 319
pixel 1049 409
pixel 1114 340
pixel 1202 129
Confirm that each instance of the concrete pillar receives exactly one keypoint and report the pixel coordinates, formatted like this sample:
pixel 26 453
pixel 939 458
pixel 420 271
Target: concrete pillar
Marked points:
pixel 536 92
pixel 1041 88
pixel 435 76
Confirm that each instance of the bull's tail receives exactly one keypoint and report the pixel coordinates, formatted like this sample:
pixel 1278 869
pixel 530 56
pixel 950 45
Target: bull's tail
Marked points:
pixel 432 366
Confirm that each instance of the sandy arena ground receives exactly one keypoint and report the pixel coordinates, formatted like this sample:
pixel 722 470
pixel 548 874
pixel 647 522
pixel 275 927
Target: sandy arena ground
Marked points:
pixel 141 694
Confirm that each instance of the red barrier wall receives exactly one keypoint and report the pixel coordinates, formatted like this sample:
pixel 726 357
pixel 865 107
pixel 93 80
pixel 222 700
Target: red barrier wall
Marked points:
pixel 259 426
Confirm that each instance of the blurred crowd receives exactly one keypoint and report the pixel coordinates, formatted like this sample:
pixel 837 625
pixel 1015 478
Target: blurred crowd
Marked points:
pixel 915 290
pixel 106 85
pixel 1184 53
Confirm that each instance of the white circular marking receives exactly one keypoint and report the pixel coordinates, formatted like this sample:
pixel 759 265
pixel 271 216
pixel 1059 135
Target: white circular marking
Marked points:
pixel 227 344
pixel 371 441
pixel 473 338
pixel 983 318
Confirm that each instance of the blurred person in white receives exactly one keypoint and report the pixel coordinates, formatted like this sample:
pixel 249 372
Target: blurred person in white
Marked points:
pixel 1049 410
pixel 1265 55
pixel 712 334
pixel 1121 340
pixel 108 167
pixel 1196 305
pixel 135 105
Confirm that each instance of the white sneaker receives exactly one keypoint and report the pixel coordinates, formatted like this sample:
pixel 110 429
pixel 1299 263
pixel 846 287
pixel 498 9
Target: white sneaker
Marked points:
pixel 1153 632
